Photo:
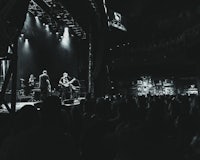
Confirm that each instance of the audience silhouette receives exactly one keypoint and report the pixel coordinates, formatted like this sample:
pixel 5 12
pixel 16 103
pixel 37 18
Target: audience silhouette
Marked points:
pixel 120 128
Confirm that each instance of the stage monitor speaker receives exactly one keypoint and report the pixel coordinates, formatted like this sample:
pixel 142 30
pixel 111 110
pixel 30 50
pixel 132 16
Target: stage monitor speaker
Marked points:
pixel 68 101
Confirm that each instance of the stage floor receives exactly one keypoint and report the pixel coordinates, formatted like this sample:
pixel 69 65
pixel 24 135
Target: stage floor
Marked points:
pixel 19 105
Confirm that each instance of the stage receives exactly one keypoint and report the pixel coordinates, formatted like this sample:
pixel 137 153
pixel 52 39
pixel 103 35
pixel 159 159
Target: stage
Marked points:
pixel 19 105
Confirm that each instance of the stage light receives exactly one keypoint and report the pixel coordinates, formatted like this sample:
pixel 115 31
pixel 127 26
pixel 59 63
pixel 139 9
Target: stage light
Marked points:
pixel 66 32
pixel 47 28
pixel 58 16
pixel 26 40
pixel 65 40
pixel 26 48
pixel 27 22
pixel 37 21
pixel 26 43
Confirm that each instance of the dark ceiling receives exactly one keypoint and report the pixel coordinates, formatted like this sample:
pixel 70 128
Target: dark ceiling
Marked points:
pixel 135 8
pixel 164 31
pixel 156 20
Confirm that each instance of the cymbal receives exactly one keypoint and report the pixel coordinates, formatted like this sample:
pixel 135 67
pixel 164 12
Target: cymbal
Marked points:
pixel 22 79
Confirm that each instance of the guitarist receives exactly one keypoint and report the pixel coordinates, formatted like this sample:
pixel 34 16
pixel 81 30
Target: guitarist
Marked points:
pixel 66 86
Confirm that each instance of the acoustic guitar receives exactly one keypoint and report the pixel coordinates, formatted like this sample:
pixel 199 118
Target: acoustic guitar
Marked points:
pixel 69 84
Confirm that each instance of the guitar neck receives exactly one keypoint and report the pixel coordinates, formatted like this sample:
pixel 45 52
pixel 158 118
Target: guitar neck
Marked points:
pixel 67 84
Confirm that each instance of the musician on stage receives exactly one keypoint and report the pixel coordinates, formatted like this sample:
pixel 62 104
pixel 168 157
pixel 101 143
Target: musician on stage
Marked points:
pixel 30 84
pixel 31 81
pixel 66 86
pixel 44 85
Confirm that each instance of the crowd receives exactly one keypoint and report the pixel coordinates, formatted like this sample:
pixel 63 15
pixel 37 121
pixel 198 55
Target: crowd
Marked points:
pixel 112 128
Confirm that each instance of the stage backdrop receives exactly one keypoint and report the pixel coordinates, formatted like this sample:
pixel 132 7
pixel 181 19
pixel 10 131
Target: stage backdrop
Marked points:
pixel 40 49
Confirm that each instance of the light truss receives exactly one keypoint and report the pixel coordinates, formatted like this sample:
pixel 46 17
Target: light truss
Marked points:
pixel 56 16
